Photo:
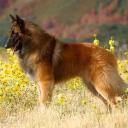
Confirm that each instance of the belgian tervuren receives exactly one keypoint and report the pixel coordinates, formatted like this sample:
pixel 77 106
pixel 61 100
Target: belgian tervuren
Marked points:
pixel 49 61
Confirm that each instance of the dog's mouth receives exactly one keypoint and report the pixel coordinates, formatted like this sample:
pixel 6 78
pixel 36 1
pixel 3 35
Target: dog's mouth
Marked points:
pixel 14 43
pixel 17 46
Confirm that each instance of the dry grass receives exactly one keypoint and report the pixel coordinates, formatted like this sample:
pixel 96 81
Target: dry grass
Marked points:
pixel 71 115
pixel 53 119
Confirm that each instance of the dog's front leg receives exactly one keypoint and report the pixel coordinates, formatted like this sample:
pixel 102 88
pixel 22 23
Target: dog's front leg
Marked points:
pixel 45 91
pixel 45 81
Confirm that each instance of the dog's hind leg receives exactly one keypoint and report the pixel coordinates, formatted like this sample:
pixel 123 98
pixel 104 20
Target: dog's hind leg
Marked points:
pixel 109 84
pixel 92 89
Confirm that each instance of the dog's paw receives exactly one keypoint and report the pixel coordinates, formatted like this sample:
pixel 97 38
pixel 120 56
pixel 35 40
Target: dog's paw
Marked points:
pixel 42 108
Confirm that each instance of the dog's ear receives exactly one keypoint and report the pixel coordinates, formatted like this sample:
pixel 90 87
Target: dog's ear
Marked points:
pixel 12 17
pixel 21 23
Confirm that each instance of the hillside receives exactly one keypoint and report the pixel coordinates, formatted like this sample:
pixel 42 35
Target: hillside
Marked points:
pixel 71 19
pixel 63 10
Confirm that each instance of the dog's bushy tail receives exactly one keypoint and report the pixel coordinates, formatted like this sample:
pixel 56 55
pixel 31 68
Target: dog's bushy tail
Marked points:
pixel 110 84
pixel 118 84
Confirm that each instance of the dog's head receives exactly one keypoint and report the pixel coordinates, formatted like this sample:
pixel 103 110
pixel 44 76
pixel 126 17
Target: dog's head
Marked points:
pixel 16 33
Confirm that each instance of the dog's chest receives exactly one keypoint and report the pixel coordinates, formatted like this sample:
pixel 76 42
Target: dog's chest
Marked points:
pixel 28 67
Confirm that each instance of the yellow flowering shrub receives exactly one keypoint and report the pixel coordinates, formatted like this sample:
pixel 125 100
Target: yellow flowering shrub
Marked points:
pixel 123 68
pixel 61 99
pixel 96 41
pixel 14 85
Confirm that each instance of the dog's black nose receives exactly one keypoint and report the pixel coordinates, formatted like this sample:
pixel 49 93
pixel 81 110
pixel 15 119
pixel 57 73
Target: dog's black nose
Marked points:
pixel 5 46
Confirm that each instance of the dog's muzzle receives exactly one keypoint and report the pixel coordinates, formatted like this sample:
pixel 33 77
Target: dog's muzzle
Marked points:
pixel 12 41
pixel 6 44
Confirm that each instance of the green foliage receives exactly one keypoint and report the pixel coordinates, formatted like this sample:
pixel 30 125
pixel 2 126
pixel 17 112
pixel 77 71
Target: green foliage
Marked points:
pixel 119 32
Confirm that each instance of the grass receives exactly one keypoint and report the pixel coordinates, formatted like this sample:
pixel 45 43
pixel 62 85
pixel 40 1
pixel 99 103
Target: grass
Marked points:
pixel 93 114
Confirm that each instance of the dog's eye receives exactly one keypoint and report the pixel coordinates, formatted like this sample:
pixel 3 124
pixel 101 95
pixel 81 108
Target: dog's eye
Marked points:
pixel 12 32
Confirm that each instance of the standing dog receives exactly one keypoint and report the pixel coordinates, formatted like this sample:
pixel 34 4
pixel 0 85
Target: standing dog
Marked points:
pixel 49 61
